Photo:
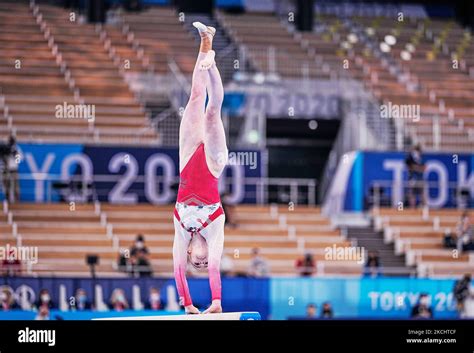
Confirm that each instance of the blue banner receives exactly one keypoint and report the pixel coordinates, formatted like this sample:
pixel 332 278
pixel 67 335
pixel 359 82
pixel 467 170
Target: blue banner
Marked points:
pixel 241 294
pixel 123 174
pixel 274 298
pixel 390 298
pixel 445 175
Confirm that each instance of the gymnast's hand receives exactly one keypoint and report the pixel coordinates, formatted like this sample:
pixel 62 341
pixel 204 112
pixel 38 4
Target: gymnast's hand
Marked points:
pixel 214 308
pixel 191 309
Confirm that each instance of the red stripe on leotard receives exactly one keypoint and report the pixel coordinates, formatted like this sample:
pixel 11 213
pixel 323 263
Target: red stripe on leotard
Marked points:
pixel 197 185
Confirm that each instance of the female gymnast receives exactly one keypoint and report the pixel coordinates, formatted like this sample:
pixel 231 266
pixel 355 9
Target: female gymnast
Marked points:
pixel 198 215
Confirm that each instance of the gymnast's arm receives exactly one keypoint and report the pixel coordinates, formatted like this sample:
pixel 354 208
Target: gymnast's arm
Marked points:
pixel 216 246
pixel 180 248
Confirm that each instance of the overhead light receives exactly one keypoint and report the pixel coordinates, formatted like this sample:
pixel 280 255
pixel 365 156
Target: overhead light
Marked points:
pixel 405 55
pixel 410 47
pixel 369 31
pixel 384 47
pixel 253 136
pixel 259 78
pixel 352 38
pixel 346 45
pixel 390 40
pixel 241 77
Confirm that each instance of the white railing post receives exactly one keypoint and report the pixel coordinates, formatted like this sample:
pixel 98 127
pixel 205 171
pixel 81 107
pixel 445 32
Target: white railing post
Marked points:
pixel 436 133
pixel 399 134
pixel 272 59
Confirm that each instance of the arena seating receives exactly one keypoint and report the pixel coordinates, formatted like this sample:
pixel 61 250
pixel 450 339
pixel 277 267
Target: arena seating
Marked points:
pixel 419 235
pixel 58 66
pixel 162 36
pixel 63 61
pixel 270 46
pixel 331 48
pixel 65 235
pixel 426 79
pixel 441 90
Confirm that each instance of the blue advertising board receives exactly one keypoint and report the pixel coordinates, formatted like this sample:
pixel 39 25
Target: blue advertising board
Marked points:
pixel 241 294
pixel 445 174
pixel 360 298
pixel 124 174
pixel 273 298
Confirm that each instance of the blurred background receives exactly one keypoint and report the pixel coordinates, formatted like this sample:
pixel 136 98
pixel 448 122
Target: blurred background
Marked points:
pixel 350 185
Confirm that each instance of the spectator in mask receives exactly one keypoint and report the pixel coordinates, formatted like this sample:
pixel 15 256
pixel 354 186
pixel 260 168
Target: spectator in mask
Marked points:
pixel 118 302
pixel 416 167
pixel 154 302
pixel 7 301
pixel 422 309
pixel 311 311
pixel 43 313
pixel 10 171
pixel 306 265
pixel 139 245
pixel 465 233
pixel 461 292
pixel 140 264
pixel 11 265
pixel 372 267
pixel 227 266
pixel 80 301
pixel 45 300
pixel 326 312
pixel 258 265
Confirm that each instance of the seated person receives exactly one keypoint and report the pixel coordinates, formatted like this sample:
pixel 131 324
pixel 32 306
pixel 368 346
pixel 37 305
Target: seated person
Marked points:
pixel 154 302
pixel 80 301
pixel 118 302
pixel 7 300
pixel 465 237
pixel 422 309
pixel 45 300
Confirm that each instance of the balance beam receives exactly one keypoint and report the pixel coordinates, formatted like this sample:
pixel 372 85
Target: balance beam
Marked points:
pixel 248 315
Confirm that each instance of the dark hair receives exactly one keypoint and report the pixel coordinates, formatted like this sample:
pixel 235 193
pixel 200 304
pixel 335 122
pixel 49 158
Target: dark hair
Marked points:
pixel 140 237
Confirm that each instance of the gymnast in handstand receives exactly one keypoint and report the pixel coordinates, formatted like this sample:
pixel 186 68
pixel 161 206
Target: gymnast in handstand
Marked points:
pixel 198 215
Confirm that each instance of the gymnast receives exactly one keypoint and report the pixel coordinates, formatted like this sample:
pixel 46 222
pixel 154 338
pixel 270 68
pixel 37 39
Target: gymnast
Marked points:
pixel 198 215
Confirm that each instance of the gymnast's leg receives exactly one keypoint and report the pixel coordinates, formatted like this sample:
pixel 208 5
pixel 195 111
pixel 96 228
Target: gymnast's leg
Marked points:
pixel 191 130
pixel 214 134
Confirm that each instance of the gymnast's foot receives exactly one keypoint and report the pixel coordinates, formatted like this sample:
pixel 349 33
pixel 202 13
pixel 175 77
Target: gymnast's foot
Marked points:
pixel 208 61
pixel 207 34
pixel 215 307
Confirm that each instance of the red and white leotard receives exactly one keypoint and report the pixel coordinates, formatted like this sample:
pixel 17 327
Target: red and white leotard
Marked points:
pixel 197 185
pixel 197 205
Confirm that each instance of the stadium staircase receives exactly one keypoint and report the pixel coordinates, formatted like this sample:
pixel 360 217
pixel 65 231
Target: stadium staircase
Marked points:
pixel 370 239
pixel 418 234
